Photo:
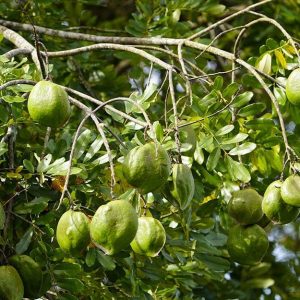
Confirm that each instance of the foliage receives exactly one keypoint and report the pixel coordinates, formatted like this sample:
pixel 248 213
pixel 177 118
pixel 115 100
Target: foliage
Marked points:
pixel 234 141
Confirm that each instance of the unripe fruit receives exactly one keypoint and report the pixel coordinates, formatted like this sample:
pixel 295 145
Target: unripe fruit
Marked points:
pixel 114 226
pixel 275 208
pixel 150 237
pixel 72 232
pixel 48 104
pixel 11 285
pixel 147 167
pixel 245 206
pixel 247 245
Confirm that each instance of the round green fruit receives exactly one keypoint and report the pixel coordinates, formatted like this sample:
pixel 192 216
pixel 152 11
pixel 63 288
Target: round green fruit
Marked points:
pixel 30 273
pixel 72 232
pixel 2 217
pixel 293 87
pixel 150 237
pixel 114 226
pixel 147 167
pixel 182 187
pixel 247 245
pixel 275 208
pixel 48 104
pixel 290 190
pixel 11 285
pixel 245 206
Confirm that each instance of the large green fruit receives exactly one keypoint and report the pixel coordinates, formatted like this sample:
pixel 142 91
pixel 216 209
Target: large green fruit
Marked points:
pixel 290 190
pixel 245 206
pixel 30 273
pixel 2 217
pixel 11 285
pixel 247 245
pixel 72 232
pixel 48 104
pixel 147 167
pixel 293 87
pixel 114 226
pixel 150 237
pixel 182 187
pixel 275 208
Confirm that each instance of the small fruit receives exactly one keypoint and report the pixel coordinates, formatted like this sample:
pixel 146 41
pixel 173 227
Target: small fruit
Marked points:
pixel 114 226
pixel 147 167
pixel 247 245
pixel 30 273
pixel 11 285
pixel 275 208
pixel 290 190
pixel 293 87
pixel 150 237
pixel 72 232
pixel 182 187
pixel 48 104
pixel 2 217
pixel 245 206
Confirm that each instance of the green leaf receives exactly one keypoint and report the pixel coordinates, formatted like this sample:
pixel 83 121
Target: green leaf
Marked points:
pixel 259 283
pixel 213 159
pixel 90 258
pixel 280 95
pixel 252 109
pixel 260 124
pixel 242 99
pixel 25 241
pixel 199 155
pixel 21 88
pixel 218 83
pixel 237 170
pixel 71 284
pixel 28 165
pixel 224 130
pixel 271 44
pixel 230 90
pixel 66 269
pixel 243 149
pixel 34 207
pixel 94 148
pixel 13 99
pixel 236 139
pixel 106 261
pixel 158 130
pixel 85 138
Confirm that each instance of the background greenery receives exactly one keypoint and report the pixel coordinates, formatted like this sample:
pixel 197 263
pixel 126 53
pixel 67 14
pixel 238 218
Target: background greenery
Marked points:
pixel 194 263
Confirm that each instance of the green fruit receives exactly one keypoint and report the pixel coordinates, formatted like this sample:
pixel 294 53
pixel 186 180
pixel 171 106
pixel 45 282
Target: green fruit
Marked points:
pixel 247 245
pixel 11 285
pixel 147 167
pixel 290 190
pixel 72 232
pixel 245 206
pixel 2 217
pixel 114 226
pixel 182 187
pixel 275 208
pixel 48 104
pixel 293 87
pixel 188 136
pixel 30 273
pixel 150 237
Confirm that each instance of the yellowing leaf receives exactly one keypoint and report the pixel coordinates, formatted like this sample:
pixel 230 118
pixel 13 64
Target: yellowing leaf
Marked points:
pixel 280 58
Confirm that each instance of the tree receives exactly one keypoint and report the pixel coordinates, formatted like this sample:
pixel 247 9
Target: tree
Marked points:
pixel 206 80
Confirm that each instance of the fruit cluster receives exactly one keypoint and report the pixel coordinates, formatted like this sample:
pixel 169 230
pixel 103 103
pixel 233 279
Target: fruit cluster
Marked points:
pixel 247 241
pixel 116 224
